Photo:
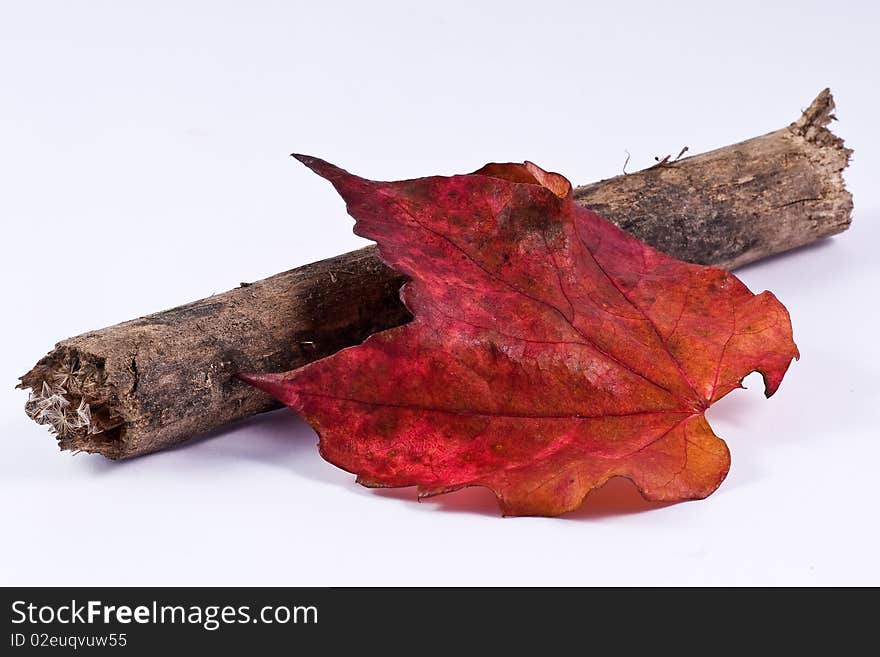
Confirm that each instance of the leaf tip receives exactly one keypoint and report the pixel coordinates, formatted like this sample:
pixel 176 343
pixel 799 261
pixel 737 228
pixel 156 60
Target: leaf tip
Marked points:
pixel 310 161
pixel 341 179
pixel 248 377
pixel 269 383
pixel 772 381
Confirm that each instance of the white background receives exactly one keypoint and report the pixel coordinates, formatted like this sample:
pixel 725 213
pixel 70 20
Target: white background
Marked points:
pixel 144 163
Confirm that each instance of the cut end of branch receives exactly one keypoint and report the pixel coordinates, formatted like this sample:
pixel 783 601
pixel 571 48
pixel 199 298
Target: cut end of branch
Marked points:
pixel 813 123
pixel 68 393
pixel 827 152
pixel 820 111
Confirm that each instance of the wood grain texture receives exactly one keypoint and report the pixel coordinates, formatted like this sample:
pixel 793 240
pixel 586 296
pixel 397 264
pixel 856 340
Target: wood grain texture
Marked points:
pixel 153 382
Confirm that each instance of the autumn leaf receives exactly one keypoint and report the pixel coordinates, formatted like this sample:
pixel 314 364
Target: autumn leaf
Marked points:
pixel 549 350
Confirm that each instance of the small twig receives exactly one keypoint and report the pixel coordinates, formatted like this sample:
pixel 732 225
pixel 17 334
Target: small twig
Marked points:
pixel 668 158
pixel 625 161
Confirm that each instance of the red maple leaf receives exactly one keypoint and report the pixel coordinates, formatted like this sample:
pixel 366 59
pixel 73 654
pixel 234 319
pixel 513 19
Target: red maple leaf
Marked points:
pixel 549 350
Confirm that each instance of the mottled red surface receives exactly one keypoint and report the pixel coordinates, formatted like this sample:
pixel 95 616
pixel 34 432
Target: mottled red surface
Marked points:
pixel 549 352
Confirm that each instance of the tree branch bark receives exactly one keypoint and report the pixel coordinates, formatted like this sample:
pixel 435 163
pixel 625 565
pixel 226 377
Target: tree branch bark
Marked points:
pixel 153 382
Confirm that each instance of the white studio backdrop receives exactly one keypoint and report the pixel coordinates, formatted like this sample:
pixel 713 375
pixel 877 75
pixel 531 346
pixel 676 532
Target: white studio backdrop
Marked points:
pixel 145 164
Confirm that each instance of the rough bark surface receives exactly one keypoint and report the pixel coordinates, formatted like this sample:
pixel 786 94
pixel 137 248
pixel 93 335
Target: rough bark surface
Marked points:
pixel 740 203
pixel 156 381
